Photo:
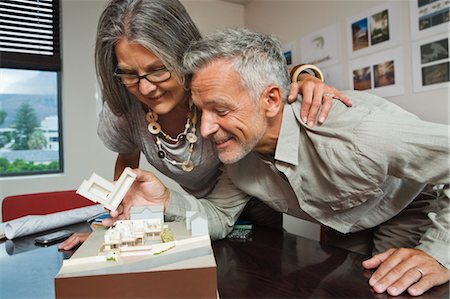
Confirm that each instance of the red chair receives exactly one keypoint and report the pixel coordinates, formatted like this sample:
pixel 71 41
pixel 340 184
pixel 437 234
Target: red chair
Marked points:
pixel 17 206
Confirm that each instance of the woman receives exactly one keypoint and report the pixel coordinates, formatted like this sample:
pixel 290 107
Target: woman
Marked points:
pixel 147 107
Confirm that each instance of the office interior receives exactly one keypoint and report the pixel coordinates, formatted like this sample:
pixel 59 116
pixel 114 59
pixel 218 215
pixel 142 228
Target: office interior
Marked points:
pixel 84 153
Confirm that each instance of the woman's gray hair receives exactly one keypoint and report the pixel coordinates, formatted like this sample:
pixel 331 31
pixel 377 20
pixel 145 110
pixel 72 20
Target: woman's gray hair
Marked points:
pixel 257 57
pixel 163 27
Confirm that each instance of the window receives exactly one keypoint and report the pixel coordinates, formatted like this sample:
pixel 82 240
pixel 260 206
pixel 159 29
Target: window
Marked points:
pixel 30 80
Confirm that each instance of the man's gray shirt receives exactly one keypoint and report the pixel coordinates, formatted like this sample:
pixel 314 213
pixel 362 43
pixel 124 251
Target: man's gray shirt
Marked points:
pixel 356 171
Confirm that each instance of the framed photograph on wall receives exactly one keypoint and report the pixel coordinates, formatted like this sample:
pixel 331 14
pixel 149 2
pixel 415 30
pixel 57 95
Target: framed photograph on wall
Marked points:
pixel 288 52
pixel 431 63
pixel 380 73
pixel 374 30
pixel 429 17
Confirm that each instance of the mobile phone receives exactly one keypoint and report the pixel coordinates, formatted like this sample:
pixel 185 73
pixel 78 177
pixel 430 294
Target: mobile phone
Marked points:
pixel 53 238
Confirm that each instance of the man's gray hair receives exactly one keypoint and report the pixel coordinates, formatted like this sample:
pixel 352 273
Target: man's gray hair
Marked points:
pixel 163 27
pixel 258 58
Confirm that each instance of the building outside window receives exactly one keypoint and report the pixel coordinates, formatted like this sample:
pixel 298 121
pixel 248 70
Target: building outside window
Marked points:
pixel 30 80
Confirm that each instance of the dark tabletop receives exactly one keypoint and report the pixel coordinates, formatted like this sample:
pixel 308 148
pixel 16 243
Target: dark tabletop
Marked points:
pixel 271 264
pixel 277 264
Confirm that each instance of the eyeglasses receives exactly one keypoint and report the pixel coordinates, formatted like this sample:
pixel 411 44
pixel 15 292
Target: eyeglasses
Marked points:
pixel 157 76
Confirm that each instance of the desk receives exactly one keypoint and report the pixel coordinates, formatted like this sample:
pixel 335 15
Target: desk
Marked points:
pixel 277 264
pixel 274 264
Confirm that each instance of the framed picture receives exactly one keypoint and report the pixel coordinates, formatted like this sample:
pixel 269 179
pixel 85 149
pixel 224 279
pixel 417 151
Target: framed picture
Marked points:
pixel 431 63
pixel 288 52
pixel 321 48
pixel 380 73
pixel 374 30
pixel 429 17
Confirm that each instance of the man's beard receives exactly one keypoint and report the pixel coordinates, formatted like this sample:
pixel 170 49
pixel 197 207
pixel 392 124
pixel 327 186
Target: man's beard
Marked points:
pixel 230 156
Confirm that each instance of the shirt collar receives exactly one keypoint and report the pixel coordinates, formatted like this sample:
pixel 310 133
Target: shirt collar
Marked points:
pixel 289 137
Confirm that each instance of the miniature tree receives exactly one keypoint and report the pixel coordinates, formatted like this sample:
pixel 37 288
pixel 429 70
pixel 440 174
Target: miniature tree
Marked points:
pixel 167 235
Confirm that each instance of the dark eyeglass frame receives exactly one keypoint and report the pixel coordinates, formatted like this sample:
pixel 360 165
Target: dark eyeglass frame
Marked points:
pixel 154 80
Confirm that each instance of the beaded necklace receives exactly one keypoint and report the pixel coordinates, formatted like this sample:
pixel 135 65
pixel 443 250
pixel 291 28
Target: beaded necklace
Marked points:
pixel 188 134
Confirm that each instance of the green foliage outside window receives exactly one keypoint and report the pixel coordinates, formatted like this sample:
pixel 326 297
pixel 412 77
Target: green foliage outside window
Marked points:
pixel 21 166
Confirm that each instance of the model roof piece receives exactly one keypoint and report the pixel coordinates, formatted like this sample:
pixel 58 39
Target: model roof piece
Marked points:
pixel 109 194
pixel 147 212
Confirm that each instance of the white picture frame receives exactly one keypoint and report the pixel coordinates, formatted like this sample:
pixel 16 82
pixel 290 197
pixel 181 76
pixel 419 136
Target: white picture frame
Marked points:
pixel 431 63
pixel 322 47
pixel 429 18
pixel 381 73
pixel 374 30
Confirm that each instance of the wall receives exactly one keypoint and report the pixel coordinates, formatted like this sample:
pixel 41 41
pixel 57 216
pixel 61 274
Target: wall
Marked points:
pixel 84 153
pixel 289 20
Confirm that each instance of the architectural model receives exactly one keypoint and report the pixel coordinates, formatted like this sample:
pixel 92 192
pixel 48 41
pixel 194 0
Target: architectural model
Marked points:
pixel 109 194
pixel 144 236
pixel 139 236
pixel 131 236
pixel 130 259
pixel 139 257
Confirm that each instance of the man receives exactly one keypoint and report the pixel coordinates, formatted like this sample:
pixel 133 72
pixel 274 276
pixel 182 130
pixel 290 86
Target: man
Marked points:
pixel 359 173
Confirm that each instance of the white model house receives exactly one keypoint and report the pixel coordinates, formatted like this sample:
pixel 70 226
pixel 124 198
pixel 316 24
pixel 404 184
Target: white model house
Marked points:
pixel 131 235
pixel 197 223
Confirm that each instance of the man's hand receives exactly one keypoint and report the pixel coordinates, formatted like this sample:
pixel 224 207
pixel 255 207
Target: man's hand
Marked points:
pixel 316 94
pixel 405 269
pixel 147 189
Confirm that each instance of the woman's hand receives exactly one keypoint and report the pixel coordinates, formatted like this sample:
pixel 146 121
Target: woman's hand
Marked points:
pixel 147 189
pixel 316 96
pixel 73 241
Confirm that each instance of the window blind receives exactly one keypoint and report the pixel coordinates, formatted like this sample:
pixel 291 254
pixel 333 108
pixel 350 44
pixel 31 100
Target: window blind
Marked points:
pixel 29 34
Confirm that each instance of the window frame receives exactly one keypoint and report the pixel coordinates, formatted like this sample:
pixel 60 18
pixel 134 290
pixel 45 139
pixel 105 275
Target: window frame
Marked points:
pixel 40 62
